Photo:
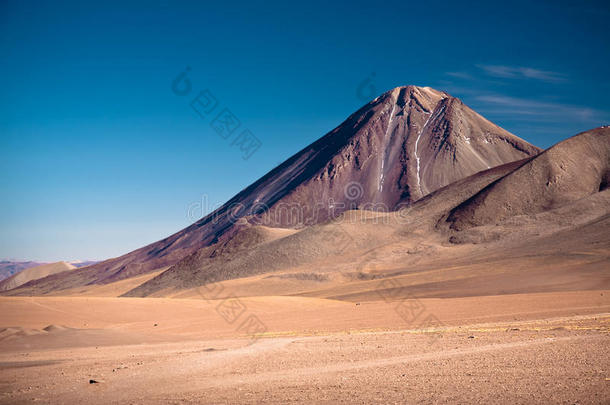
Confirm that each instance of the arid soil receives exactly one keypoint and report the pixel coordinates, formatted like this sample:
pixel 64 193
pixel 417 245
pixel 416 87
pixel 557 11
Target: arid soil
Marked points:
pixel 549 348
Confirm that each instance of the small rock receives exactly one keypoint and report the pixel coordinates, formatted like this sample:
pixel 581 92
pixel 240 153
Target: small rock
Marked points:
pixel 470 337
pixel 94 382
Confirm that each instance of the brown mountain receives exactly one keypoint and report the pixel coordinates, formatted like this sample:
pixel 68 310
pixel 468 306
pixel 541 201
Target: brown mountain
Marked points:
pixel 569 171
pixel 403 145
pixel 539 224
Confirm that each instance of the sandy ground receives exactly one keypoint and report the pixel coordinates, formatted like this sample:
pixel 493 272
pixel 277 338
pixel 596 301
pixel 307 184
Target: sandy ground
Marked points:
pixel 522 348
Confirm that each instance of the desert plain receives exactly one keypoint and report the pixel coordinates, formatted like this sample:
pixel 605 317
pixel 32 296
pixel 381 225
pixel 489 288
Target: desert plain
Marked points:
pixel 520 348
pixel 521 328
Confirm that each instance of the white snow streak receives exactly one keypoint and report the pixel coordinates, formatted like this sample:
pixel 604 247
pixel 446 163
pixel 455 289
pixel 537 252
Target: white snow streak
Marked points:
pixel 383 149
pixel 430 118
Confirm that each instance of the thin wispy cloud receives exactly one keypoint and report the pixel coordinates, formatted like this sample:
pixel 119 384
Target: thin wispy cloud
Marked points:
pixel 537 110
pixel 520 72
pixel 484 90
pixel 459 75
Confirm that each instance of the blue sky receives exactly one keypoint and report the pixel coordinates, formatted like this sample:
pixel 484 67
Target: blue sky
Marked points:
pixel 99 156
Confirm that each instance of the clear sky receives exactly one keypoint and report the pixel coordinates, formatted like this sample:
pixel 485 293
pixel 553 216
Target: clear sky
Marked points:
pixel 98 156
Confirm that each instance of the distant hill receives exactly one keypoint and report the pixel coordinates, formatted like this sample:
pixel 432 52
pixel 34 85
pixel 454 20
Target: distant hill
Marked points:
pixel 9 267
pixel 34 273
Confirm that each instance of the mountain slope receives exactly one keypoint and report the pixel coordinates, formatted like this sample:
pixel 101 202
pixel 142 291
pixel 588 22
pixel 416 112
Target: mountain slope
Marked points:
pixel 406 143
pixel 540 247
pixel 334 246
pixel 457 142
pixel 520 219
pixel 569 171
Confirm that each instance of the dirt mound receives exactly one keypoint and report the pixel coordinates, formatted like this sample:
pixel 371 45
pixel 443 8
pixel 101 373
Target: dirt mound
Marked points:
pixel 54 328
pixel 251 251
pixel 17 332
pixel 566 172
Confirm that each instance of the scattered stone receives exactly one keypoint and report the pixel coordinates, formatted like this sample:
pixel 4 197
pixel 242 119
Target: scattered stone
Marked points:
pixel 470 337
pixel 120 367
pixel 94 382
pixel 155 325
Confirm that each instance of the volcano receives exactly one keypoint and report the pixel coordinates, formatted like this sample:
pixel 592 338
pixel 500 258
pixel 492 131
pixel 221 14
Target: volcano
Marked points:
pixel 400 147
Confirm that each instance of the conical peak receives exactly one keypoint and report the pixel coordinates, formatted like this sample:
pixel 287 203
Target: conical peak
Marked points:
pixel 408 142
pixel 411 90
pixel 423 99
